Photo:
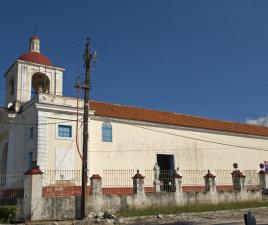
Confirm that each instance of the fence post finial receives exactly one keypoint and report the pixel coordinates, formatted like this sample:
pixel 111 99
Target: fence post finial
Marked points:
pixel 138 184
pixel 263 178
pixel 238 179
pixel 210 184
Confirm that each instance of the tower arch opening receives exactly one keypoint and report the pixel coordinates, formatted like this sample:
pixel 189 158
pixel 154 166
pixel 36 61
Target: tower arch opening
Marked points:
pixel 40 84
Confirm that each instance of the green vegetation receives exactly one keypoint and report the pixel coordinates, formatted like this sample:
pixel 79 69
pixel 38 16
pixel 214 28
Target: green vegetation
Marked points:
pixel 6 212
pixel 172 209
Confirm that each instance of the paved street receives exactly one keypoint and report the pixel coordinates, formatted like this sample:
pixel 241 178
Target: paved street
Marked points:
pixel 196 221
pixel 213 222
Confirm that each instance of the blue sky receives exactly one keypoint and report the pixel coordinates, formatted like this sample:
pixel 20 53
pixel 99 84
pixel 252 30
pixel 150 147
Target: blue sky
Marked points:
pixel 205 58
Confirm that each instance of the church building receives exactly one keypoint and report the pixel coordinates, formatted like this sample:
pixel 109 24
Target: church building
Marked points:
pixel 40 126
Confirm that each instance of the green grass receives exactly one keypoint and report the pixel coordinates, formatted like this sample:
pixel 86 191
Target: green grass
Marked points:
pixel 172 209
pixel 6 212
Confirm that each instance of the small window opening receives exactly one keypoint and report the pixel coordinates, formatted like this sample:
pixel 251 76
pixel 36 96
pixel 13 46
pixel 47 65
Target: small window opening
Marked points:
pixel 65 131
pixel 107 132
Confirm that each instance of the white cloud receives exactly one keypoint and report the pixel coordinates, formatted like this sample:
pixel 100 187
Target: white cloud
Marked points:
pixel 262 121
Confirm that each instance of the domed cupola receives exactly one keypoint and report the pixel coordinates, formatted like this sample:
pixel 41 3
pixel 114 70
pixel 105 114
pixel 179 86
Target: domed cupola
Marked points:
pixel 34 54
pixel 32 74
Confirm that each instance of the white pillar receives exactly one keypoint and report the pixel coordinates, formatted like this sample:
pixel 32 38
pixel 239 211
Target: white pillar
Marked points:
pixel 33 194
pixel 42 140
pixel 156 177
pixel 210 184
pixel 178 182
pixel 96 184
pixel 238 179
pixel 263 178
pixel 138 184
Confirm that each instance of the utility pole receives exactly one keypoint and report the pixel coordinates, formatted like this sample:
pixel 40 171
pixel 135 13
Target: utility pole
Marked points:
pixel 88 56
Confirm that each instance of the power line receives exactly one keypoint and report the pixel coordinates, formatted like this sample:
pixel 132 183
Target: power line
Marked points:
pixel 37 124
pixel 33 92
pixel 163 132
pixel 203 140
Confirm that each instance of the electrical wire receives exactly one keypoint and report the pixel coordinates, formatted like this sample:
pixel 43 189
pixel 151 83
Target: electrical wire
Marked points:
pixel 54 175
pixel 37 124
pixel 203 140
pixel 146 128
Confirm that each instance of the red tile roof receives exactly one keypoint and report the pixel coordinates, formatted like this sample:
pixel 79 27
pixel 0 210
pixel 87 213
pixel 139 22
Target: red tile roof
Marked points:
pixel 35 57
pixel 168 118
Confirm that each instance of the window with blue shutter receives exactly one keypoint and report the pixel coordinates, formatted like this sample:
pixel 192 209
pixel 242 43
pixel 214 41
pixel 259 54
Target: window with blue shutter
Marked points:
pixel 65 131
pixel 107 132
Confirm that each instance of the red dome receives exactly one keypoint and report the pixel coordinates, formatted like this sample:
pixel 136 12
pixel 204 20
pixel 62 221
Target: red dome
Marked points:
pixel 36 57
pixel 34 37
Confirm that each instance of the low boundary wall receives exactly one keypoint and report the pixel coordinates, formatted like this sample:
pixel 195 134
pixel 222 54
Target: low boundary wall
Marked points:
pixel 39 204
pixel 59 208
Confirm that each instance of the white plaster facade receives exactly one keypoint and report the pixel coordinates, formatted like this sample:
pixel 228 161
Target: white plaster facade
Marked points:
pixel 29 131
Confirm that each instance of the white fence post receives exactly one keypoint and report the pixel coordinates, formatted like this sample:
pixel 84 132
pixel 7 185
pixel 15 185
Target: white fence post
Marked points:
pixel 33 193
pixel 96 184
pixel 263 178
pixel 156 177
pixel 138 184
pixel 238 179
pixel 178 182
pixel 210 184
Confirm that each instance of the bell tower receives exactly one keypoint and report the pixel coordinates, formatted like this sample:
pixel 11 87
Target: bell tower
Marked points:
pixel 30 74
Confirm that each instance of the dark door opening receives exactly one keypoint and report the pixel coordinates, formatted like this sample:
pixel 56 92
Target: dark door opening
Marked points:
pixel 167 168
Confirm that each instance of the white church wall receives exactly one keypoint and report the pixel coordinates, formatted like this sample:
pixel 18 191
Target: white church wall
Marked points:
pixel 62 152
pixel 21 143
pixel 16 134
pixel 11 73
pixel 134 145
pixel 136 148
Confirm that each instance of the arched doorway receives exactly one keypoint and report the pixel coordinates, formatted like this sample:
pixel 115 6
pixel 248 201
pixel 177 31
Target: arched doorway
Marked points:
pixel 40 83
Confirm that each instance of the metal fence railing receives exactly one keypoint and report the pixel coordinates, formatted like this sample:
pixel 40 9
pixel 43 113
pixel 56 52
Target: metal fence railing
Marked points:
pixel 117 178
pixel 114 181
pixel 62 177
pixel 149 178
pixel 117 181
pixel 193 177
pixel 167 180
pixel 252 179
pixel 61 182
pixel 11 185
pixel 223 177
